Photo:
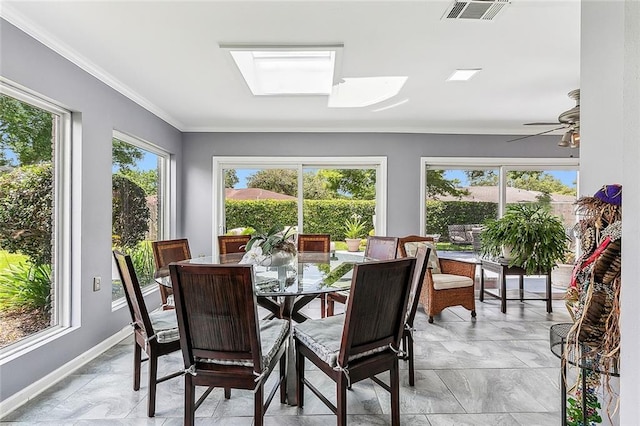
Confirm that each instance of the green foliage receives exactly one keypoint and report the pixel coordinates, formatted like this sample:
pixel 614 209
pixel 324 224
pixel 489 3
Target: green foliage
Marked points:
pixel 285 181
pixel 359 184
pixel 354 227
pixel 440 214
pixel 24 285
pixel 230 178
pixel 26 202
pixel 320 216
pixel 437 184
pixel 276 238
pixel 25 130
pixel 124 155
pixel 147 180
pixel 130 214
pixel 574 411
pixel 523 179
pixel 537 239
pixel 142 259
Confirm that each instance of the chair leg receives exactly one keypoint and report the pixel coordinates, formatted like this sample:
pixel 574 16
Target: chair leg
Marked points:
pixel 412 373
pixel 153 374
pixel 283 379
pixel 395 394
pixel 341 399
pixel 473 313
pixel 300 378
pixel 330 307
pixel 137 362
pixel 258 405
pixel 189 400
pixel 323 305
pixel 227 393
pixel 430 319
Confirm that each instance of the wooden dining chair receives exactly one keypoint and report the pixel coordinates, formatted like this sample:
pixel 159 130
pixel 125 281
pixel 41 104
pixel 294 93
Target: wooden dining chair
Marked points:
pixel 421 254
pixel 316 243
pixel 165 252
pixel 232 243
pixel 448 282
pixel 155 333
pixel 223 342
pixel 378 248
pixel 363 342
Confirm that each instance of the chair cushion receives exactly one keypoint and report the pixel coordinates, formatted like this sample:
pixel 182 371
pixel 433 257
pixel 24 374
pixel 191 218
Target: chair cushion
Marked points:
pixel 272 333
pixel 445 281
pixel 433 262
pixel 165 325
pixel 323 336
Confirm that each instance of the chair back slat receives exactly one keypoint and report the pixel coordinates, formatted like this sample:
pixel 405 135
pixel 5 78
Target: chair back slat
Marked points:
pixel 377 306
pixel 320 243
pixel 133 293
pixel 232 243
pixel 422 254
pixel 381 248
pixel 167 251
pixel 217 313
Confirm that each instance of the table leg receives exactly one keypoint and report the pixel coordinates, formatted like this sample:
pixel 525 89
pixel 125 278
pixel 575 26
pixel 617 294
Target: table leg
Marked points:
pixel 521 285
pixel 481 284
pixel 503 292
pixel 286 312
pixel 549 304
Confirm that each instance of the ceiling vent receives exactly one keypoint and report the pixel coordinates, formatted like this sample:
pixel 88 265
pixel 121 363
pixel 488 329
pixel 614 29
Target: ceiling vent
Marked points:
pixel 483 10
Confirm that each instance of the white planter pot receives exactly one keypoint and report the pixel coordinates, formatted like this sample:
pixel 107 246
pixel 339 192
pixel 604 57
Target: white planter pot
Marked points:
pixel 353 244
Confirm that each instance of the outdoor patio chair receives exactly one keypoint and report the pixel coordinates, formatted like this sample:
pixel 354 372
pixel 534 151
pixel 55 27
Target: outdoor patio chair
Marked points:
pixel 448 282
pixel 223 342
pixel 165 252
pixel 363 342
pixel 378 248
pixel 155 333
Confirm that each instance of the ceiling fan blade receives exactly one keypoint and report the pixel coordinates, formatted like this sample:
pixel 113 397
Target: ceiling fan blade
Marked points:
pixel 537 134
pixel 541 124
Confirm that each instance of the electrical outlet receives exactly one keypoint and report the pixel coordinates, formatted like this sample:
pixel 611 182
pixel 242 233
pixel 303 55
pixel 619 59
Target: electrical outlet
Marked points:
pixel 96 283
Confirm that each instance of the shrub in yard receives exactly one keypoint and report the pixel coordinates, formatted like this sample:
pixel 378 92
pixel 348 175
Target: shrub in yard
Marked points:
pixel 25 286
pixel 130 215
pixel 26 201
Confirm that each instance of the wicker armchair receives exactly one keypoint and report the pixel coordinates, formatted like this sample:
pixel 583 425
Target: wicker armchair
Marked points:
pixel 448 282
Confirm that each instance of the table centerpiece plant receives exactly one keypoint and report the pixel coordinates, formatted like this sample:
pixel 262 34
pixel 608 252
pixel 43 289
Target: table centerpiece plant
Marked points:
pixel 271 248
pixel 528 236
pixel 354 231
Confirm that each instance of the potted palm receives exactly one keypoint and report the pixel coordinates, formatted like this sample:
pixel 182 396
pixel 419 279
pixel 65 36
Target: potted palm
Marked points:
pixel 527 236
pixel 354 230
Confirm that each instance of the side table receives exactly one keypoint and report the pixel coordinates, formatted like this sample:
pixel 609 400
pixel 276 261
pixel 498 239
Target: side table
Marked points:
pixel 503 269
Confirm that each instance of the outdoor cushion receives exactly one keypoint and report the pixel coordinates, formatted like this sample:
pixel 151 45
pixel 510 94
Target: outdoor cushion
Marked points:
pixel 323 336
pixel 165 325
pixel 446 281
pixel 412 247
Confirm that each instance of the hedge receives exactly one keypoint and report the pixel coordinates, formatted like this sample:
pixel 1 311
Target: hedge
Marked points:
pixel 440 214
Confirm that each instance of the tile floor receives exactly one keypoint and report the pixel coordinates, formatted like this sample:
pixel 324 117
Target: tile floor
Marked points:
pixel 495 370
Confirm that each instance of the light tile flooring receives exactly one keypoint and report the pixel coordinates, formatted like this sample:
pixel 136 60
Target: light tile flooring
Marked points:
pixel 495 370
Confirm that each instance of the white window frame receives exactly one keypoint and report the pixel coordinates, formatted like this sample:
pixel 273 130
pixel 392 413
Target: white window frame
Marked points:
pixel 297 163
pixel 62 187
pixel 167 223
pixel 503 165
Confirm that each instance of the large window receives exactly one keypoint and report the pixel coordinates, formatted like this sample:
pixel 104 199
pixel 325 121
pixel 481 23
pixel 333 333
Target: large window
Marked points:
pixel 35 185
pixel 460 194
pixel 316 195
pixel 140 203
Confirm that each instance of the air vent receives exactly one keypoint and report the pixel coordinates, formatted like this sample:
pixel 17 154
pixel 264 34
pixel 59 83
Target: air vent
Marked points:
pixel 484 10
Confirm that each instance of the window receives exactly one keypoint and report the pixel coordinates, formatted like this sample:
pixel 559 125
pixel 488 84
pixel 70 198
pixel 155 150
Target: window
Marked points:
pixel 35 183
pixel 302 192
pixel 140 202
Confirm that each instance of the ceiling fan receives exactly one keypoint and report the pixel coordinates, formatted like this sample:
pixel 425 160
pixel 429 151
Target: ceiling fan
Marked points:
pixel 569 120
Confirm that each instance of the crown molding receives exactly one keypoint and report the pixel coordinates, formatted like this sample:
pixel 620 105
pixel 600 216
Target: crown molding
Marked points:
pixel 8 13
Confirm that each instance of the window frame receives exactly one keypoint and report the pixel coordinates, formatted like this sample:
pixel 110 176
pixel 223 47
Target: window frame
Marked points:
pixel 503 165
pixel 61 221
pixel 379 163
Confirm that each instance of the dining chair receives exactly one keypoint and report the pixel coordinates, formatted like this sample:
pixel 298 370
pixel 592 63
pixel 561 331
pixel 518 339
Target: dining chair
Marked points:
pixel 232 243
pixel 165 252
pixel 316 243
pixel 363 342
pixel 155 333
pixel 448 282
pixel 419 274
pixel 377 248
pixel 224 343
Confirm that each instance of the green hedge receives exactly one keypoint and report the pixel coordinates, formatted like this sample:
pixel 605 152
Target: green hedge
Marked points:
pixel 440 214
pixel 320 216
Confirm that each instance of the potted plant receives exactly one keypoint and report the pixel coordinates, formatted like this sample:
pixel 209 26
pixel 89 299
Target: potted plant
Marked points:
pixel 354 230
pixel 533 238
pixel 271 248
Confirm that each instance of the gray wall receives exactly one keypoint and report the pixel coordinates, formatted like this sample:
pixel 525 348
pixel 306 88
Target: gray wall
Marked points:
pixel 100 110
pixel 403 152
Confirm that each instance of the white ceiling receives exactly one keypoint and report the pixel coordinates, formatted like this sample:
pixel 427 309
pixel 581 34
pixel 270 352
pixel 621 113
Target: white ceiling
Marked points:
pixel 165 56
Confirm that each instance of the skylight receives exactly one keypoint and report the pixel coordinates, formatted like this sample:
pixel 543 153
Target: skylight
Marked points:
pixel 293 70
pixel 463 74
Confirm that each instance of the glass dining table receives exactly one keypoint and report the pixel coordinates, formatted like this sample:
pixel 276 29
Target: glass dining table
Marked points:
pixel 285 289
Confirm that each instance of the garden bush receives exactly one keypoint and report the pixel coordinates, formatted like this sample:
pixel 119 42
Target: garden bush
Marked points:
pixel 130 215
pixel 25 286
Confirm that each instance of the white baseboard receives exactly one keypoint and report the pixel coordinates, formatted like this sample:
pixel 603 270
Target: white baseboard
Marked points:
pixel 36 388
